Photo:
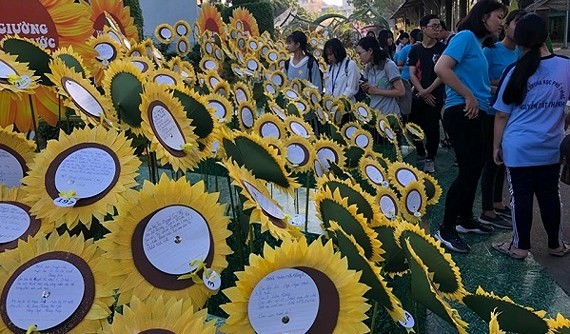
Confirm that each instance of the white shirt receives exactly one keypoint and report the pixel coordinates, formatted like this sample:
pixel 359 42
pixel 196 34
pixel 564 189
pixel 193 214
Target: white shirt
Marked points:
pixel 341 79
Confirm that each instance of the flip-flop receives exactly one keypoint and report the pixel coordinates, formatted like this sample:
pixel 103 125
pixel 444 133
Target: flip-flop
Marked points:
pixel 500 247
pixel 564 251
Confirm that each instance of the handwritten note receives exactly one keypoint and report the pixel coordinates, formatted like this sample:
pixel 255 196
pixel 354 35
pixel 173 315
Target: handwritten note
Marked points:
pixel 349 132
pixel 45 294
pixel 247 117
pixel 220 110
pixel 166 127
pixel 285 301
pixel 11 172
pixel 87 171
pixel 374 174
pixel 174 237
pixel 14 221
pixel 326 156
pixel 405 176
pixel 264 202
pixel 269 129
pixel 299 129
pixel 362 141
pixel 83 98
pixel 6 70
pixel 105 51
pixel 296 154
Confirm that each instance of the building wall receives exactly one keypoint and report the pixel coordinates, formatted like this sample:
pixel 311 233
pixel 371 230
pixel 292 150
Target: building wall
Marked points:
pixel 156 12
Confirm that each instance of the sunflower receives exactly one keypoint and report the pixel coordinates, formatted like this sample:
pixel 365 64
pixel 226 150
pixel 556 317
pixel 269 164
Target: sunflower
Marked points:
pixel 73 60
pixel 121 15
pixel 16 77
pixel 414 202
pixel 182 28
pixel 77 256
pixel 331 206
pixel 211 20
pixel 247 19
pixel 559 324
pixel 93 107
pixel 164 33
pixel 15 212
pixel 183 46
pixel 76 151
pixel 107 52
pixel 223 109
pixel 18 153
pixel 346 312
pixel 416 131
pixel 363 139
pixel 222 88
pixel 165 124
pixel 299 153
pixel 494 327
pixel 388 202
pixel 246 115
pixel 142 63
pixel 145 279
pixel 298 126
pixel 401 174
pixel 276 109
pixel 184 68
pixel 266 211
pixel 329 152
pixel 269 125
pixel 241 92
pixel 165 76
pixel 158 314
pixel 373 172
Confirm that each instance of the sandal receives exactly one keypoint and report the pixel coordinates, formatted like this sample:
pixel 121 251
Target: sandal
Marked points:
pixel 560 253
pixel 500 247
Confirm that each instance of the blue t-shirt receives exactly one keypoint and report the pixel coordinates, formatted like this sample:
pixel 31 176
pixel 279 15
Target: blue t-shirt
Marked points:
pixel 403 56
pixel 498 59
pixel 471 69
pixel 535 129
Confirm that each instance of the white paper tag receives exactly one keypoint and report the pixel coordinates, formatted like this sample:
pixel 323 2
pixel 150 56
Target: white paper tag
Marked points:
pixel 409 322
pixel 166 128
pixel 297 220
pixel 11 172
pixel 24 82
pixel 212 279
pixel 63 202
pixel 15 222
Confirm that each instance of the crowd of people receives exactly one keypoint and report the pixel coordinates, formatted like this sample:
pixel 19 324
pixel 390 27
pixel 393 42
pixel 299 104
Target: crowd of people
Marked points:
pixel 500 95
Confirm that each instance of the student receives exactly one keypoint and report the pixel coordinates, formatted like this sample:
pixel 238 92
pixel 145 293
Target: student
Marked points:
pixel 529 128
pixel 302 64
pixel 386 41
pixel 341 78
pixel 403 40
pixel 499 56
pixel 428 101
pixel 383 81
pixel 463 69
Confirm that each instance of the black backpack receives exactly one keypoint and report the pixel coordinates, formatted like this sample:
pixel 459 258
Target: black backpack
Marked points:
pixel 310 64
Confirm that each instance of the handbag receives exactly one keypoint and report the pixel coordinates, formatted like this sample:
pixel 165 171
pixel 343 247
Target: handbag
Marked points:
pixel 565 158
pixel 405 102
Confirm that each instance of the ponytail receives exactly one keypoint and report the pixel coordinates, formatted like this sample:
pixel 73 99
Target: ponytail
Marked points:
pixel 525 67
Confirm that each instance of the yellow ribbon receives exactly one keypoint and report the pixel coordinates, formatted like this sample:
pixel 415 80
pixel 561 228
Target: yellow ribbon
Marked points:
pixel 32 329
pixel 199 264
pixel 68 195
pixel 14 78
pixel 187 148
pixel 288 218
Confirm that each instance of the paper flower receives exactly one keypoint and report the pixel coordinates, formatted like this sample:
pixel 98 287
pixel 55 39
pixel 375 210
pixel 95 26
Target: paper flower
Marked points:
pixel 142 271
pixel 269 125
pixel 120 14
pixel 345 314
pixel 248 21
pixel 299 153
pixel 210 19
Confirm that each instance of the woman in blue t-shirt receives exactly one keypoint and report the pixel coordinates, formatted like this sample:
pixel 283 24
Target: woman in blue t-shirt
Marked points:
pixel 529 127
pixel 463 69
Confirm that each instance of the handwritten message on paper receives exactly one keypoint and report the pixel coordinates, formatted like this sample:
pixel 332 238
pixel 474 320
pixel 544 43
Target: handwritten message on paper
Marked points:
pixel 11 172
pixel 175 236
pixel 83 98
pixel 88 172
pixel 14 221
pixel 285 301
pixel 374 174
pixel 45 294
pixel 264 202
pixel 166 128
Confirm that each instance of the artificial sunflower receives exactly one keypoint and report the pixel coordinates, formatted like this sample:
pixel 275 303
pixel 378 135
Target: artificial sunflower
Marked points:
pixel 165 124
pixel 183 46
pixel 331 206
pixel 210 19
pixel 141 268
pixel 184 68
pixel 279 79
pixel 416 131
pixel 73 60
pixel 559 325
pixel 16 154
pixel 164 33
pixel 349 129
pixel 432 188
pixel 254 45
pixel 388 202
pixel 269 125
pixel 15 214
pixel 414 202
pixel 401 174
pixel 95 166
pixel 107 51
pixel 363 139
pixel 246 115
pixel 222 88
pixel 373 172
pixel 247 19
pixel 329 152
pixel 395 263
pixel 299 153
pixel 241 92
pixel 165 76
pixel 16 77
pixel 92 106
pixel 297 126
pixel 494 327
pixel 119 13
pixel 363 112
pixel 276 109
pixel 211 79
pixel 266 211
pixel 79 263
pixel 223 109
pixel 316 264
pixel 160 315
pixel 182 28
pixel 142 63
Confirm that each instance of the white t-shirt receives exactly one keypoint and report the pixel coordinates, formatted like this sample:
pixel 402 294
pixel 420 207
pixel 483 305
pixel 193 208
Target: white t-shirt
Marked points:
pixel 341 79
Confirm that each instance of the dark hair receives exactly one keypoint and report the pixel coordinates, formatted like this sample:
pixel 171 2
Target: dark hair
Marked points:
pixel 378 55
pixel 336 48
pixel 530 33
pixel 370 33
pixel 403 35
pixel 298 37
pixel 443 25
pixel 474 20
pixel 383 42
pixel 515 15
pixel 424 21
pixel 416 34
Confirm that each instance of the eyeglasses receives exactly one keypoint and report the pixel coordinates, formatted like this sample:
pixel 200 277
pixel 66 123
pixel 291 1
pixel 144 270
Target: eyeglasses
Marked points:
pixel 434 26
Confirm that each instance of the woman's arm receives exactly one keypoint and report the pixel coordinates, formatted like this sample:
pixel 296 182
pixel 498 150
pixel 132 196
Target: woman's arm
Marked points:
pixel 444 70
pixel 501 119
pixel 397 89
pixel 352 80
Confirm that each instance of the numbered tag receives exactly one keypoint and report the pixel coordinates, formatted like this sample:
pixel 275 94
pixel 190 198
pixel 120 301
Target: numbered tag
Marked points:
pixel 23 82
pixel 212 279
pixel 63 202
pixel 297 220
pixel 409 321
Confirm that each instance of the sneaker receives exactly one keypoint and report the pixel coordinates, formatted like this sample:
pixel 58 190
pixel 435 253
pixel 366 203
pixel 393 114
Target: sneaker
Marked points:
pixel 498 221
pixel 451 240
pixel 505 212
pixel 421 158
pixel 473 226
pixel 429 167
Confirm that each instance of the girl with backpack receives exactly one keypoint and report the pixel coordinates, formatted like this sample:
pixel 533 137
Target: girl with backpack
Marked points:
pixel 302 64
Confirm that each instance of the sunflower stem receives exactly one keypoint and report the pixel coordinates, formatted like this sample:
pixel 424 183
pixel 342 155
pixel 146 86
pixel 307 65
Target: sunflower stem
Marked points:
pixel 34 124
pixel 58 109
pixel 151 171
pixel 237 224
pixel 374 315
pixel 251 239
pixel 307 196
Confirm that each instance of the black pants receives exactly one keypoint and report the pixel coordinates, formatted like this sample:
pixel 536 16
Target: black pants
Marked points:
pixel 524 183
pixel 466 136
pixel 427 117
pixel 493 175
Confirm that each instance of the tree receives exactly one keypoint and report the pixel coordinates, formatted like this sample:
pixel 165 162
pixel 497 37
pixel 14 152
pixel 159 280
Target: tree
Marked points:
pixel 386 8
